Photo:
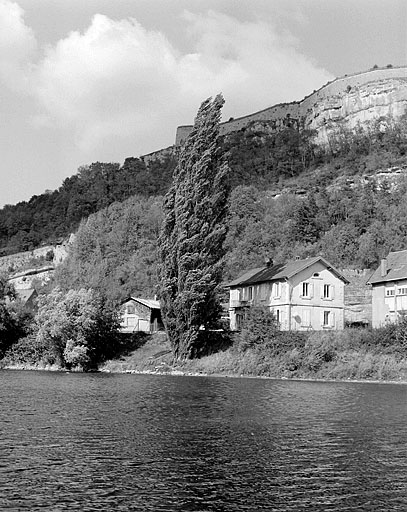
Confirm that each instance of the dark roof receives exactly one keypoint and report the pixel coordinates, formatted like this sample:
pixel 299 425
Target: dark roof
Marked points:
pixel 282 271
pixel 396 268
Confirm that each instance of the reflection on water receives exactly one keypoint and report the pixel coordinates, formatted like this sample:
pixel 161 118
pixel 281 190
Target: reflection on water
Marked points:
pixel 151 443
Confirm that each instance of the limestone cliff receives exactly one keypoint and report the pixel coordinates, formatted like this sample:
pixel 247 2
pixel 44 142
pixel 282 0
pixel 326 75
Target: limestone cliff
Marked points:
pixel 347 100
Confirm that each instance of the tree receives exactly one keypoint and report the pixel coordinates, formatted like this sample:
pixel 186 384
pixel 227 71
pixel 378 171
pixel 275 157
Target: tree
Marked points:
pixel 73 329
pixel 14 319
pixel 259 329
pixel 115 251
pixel 191 244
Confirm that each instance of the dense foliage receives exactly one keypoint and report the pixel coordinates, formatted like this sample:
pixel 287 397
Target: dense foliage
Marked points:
pixel 258 155
pixel 114 252
pixel 191 243
pixel 52 216
pixel 14 318
pixel 71 329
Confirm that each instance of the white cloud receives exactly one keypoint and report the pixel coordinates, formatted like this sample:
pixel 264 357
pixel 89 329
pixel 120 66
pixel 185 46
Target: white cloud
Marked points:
pixel 17 46
pixel 117 80
pixel 253 64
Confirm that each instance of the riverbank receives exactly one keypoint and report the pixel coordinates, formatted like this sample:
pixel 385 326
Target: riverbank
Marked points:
pixel 348 355
pixel 362 355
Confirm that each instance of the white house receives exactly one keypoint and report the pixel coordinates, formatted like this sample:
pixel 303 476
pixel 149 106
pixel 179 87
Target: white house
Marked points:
pixel 304 294
pixel 389 289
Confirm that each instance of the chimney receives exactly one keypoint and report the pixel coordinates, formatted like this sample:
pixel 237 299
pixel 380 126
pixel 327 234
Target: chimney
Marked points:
pixel 269 262
pixel 383 267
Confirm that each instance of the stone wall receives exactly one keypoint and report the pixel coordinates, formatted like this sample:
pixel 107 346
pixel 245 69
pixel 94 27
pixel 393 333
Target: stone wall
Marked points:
pixel 160 155
pixel 350 99
pixel 52 254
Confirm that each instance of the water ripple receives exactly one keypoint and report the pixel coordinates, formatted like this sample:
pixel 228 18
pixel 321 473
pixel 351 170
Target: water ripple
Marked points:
pixel 129 442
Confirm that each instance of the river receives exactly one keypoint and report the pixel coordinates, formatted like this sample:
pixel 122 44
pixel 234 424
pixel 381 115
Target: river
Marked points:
pixel 88 442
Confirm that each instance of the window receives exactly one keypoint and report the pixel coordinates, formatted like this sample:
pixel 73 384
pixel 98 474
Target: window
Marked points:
pixel 326 291
pixel 131 309
pixel 390 292
pixel 276 290
pixel 277 315
pixel 306 289
pixel 326 318
pixel 402 291
pixel 250 293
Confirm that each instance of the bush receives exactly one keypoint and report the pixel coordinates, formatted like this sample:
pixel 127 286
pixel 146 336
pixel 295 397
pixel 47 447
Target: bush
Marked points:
pixel 259 329
pixel 74 329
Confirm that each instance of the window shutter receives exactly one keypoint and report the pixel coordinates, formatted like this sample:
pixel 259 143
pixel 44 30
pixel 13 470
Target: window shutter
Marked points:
pixel 322 317
pixel 332 291
pixel 332 316
pixel 311 290
pixel 322 290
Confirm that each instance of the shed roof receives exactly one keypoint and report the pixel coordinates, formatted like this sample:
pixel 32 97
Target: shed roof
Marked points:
pixel 396 268
pixel 283 271
pixel 149 303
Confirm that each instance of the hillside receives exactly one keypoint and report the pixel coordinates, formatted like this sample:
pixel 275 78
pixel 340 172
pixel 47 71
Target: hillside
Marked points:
pixel 276 155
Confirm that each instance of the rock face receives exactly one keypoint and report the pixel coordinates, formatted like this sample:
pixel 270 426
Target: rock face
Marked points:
pixel 348 101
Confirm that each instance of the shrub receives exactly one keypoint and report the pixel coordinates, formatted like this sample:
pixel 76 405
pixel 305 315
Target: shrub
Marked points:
pixel 259 329
pixel 74 329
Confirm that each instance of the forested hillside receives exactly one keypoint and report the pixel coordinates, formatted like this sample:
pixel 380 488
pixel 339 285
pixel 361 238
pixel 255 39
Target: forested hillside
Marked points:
pixel 52 216
pixel 324 205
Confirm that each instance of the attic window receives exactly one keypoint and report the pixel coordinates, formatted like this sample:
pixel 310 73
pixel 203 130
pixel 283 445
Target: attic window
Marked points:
pixel 316 274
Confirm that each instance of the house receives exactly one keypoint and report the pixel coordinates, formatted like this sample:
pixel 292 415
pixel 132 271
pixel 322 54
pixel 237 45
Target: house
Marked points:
pixel 140 315
pixel 389 289
pixel 304 294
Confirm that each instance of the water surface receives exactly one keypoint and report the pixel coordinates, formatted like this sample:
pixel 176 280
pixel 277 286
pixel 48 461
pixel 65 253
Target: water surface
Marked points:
pixel 138 442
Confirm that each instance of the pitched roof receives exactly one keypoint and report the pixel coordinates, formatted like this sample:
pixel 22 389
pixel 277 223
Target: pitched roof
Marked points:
pixel 247 275
pixel 283 271
pixel 396 268
pixel 152 304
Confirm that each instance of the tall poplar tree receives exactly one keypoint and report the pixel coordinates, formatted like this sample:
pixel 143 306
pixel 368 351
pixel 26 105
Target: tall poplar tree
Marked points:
pixel 191 243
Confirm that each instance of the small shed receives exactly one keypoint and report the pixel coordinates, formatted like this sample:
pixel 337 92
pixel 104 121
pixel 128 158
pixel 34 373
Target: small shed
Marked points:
pixel 141 315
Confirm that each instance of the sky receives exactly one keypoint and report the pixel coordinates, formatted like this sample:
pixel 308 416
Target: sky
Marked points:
pixel 101 80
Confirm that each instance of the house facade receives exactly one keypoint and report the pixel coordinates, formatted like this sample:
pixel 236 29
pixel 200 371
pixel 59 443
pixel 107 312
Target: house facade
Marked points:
pixel 389 289
pixel 140 315
pixel 303 295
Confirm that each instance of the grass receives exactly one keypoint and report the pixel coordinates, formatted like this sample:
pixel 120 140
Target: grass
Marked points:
pixel 340 355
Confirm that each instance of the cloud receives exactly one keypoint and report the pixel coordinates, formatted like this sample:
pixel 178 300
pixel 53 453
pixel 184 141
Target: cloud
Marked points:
pixel 118 80
pixel 17 46
pixel 253 63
